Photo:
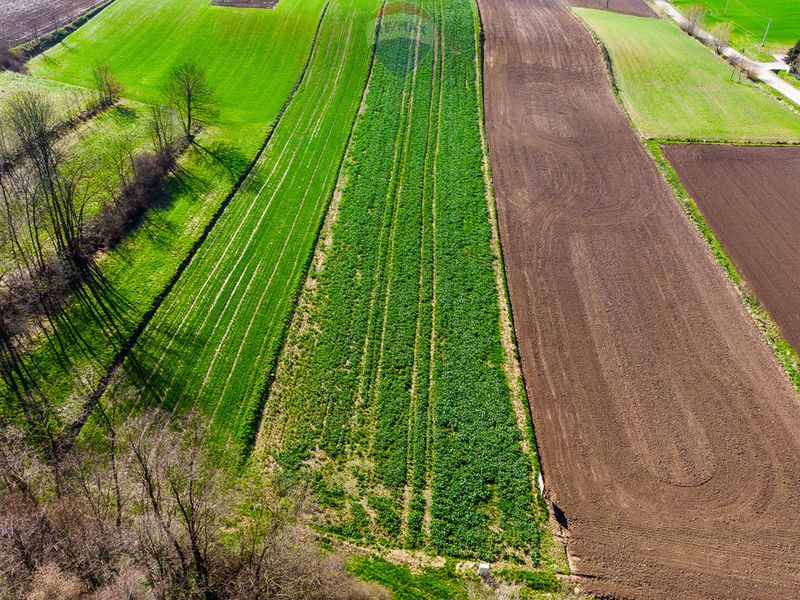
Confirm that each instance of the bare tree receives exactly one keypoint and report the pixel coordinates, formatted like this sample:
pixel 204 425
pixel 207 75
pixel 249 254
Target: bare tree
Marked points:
pixel 161 125
pixel 693 16
pixel 145 512
pixel 188 93
pixel 107 86
pixel 721 36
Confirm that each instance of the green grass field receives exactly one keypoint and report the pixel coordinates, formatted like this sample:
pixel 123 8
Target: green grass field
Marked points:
pixel 674 87
pixel 251 57
pixel 392 382
pixel 68 363
pixel 750 19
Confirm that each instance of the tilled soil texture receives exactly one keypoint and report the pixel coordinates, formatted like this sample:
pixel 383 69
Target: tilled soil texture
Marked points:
pixel 24 20
pixel 669 436
pixel 749 197
pixel 637 8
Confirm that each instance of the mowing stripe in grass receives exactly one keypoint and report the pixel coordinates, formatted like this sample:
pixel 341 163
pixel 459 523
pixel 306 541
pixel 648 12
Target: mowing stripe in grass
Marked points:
pixel 91 400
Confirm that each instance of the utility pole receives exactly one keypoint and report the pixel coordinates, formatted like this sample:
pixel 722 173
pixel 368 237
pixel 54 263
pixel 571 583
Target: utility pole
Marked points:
pixel 766 31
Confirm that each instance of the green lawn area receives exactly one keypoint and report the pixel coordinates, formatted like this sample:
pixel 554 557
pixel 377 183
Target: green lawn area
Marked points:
pixel 750 19
pixel 252 57
pixel 674 87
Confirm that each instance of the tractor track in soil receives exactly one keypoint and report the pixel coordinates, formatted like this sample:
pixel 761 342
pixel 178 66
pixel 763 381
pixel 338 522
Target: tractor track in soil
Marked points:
pixel 669 435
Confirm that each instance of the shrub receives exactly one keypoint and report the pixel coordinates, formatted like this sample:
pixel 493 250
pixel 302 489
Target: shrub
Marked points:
pixel 11 61
pixel 693 16
pixel 721 35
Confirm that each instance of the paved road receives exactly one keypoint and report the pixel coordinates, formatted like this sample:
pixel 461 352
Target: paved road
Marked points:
pixel 765 73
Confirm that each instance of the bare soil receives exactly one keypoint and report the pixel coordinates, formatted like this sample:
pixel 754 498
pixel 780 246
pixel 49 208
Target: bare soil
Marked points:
pixel 637 8
pixel 749 197
pixel 669 435
pixel 24 20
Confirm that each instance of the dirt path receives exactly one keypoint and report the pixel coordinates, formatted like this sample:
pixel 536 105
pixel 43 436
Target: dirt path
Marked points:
pixel 669 435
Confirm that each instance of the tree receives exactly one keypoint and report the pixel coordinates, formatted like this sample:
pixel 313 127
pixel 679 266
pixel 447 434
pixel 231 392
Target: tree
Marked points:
pixel 792 58
pixel 162 131
pixel 693 16
pixel 188 93
pixel 107 86
pixel 721 36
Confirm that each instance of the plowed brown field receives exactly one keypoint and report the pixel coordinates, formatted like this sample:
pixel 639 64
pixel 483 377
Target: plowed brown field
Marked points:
pixel 23 20
pixel 669 435
pixel 638 8
pixel 751 198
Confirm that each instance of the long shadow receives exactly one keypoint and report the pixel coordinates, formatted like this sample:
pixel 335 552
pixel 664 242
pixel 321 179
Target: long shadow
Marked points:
pixel 227 155
pixel 116 365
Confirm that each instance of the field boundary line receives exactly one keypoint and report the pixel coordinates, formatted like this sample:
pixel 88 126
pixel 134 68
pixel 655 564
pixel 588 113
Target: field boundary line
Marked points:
pixel 72 430
pixel 318 253
pixel 768 329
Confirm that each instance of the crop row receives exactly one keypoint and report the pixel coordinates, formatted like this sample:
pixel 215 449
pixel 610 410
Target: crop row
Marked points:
pixel 393 371
pixel 210 345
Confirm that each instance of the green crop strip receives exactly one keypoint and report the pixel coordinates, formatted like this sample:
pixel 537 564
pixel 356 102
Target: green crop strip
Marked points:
pixel 391 391
pixel 228 309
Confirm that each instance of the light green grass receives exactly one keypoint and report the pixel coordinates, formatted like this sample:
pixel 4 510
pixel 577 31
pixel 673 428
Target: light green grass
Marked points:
pixel 212 343
pixel 674 87
pixel 273 45
pixel 67 99
pixel 750 18
pixel 251 56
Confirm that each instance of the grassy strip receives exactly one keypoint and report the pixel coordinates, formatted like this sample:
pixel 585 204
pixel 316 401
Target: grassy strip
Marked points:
pixel 783 351
pixel 431 583
pixel 230 305
pixel 659 69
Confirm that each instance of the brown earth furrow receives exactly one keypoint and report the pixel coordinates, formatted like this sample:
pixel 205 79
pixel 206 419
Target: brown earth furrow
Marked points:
pixel 638 8
pixel 749 197
pixel 669 435
pixel 24 20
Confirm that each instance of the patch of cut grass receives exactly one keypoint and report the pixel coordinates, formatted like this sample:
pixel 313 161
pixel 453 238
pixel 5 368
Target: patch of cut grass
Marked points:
pixel 674 87
pixel 750 19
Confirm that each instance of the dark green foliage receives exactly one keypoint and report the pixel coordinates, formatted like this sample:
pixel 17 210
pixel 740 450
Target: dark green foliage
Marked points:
pixel 430 584
pixel 542 581
pixel 402 366
pixel 386 516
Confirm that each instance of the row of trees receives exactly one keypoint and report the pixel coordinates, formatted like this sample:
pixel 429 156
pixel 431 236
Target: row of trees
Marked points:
pixel 48 242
